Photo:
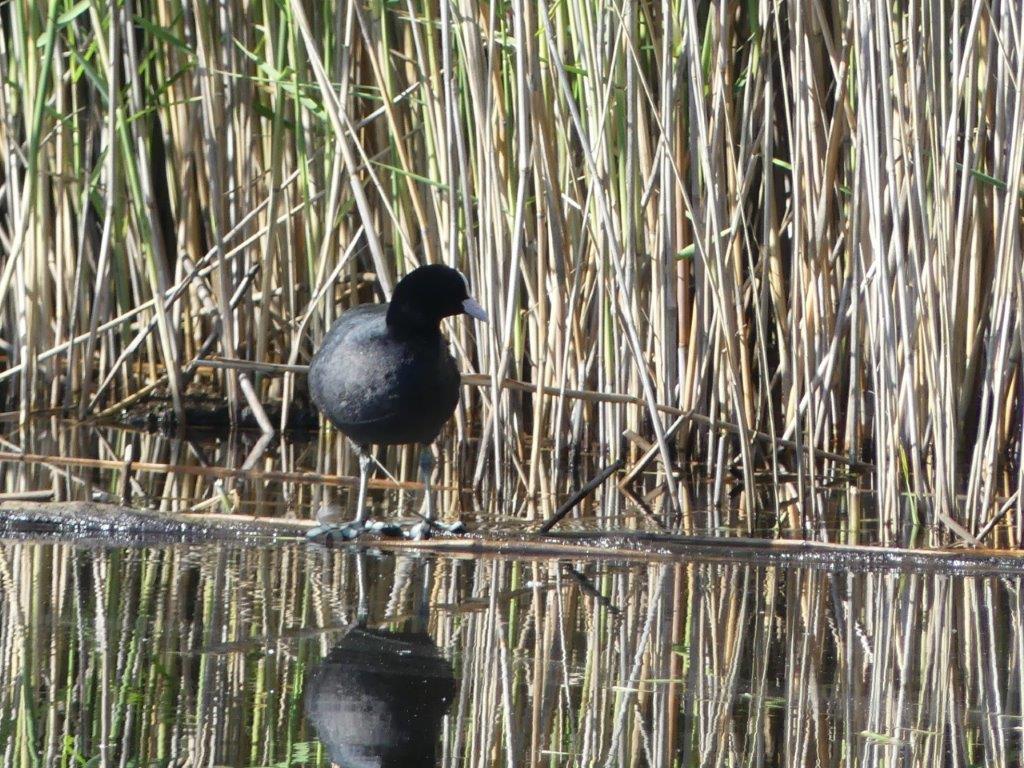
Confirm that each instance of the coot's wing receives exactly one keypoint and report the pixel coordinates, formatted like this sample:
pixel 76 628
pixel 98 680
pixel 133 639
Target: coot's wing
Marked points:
pixel 377 388
pixel 412 390
pixel 335 365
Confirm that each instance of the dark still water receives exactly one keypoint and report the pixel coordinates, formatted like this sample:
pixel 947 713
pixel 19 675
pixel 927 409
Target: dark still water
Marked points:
pixel 295 655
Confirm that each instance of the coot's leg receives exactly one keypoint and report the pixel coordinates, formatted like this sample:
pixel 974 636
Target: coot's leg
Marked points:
pixel 422 530
pixel 356 527
pixel 361 523
pixel 329 530
pixel 364 477
pixel 426 475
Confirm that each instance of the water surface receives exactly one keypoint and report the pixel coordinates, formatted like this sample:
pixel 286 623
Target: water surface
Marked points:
pixel 213 655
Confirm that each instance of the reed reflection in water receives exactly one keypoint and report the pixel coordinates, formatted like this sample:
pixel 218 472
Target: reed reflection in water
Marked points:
pixel 209 655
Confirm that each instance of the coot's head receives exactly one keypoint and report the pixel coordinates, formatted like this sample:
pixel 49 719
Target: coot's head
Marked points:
pixel 429 294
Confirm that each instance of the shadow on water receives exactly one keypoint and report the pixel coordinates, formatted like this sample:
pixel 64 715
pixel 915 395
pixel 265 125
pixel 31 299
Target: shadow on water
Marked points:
pixel 294 655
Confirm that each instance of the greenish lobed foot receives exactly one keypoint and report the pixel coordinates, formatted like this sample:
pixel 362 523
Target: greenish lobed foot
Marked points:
pixel 327 533
pixel 332 533
pixel 427 528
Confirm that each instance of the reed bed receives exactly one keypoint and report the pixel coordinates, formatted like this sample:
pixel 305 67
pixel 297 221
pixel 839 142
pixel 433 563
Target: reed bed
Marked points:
pixel 199 656
pixel 798 220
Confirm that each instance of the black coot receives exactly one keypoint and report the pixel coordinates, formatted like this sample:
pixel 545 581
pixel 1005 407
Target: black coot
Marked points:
pixel 383 374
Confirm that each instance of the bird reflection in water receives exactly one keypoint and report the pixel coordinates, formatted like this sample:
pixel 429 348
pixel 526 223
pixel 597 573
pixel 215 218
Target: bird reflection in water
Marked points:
pixel 379 697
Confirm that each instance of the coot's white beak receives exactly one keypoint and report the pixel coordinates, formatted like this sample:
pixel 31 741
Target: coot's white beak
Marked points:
pixel 471 308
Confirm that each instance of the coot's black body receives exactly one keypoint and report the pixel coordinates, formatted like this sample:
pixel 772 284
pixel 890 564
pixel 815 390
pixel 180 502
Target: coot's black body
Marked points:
pixel 383 376
pixel 384 385
pixel 378 699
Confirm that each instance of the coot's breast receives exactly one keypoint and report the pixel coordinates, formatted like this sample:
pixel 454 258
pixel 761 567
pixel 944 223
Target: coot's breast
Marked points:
pixel 380 389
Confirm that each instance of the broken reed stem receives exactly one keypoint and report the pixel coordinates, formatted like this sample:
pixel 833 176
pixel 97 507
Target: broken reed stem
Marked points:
pixel 573 501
